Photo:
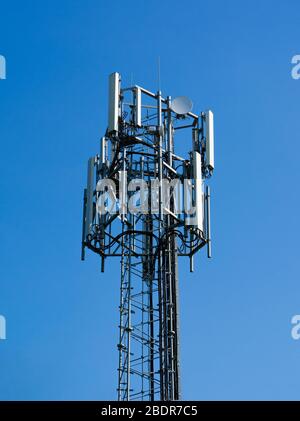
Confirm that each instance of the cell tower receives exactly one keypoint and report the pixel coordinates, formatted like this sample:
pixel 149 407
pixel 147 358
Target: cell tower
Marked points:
pixel 147 206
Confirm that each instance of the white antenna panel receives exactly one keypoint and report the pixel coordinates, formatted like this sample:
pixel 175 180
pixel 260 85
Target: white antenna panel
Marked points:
pixel 138 107
pixel 113 103
pixel 210 153
pixel 199 197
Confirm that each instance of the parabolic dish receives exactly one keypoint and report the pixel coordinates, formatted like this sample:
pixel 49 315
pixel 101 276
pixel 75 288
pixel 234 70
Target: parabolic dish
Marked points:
pixel 181 105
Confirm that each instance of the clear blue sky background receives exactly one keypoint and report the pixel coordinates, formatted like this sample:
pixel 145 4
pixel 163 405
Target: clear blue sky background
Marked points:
pixel 62 314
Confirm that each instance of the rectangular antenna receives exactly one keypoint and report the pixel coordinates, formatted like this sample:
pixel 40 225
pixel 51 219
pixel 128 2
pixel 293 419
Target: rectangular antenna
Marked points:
pixel 103 150
pixel 89 197
pixel 83 226
pixel 198 190
pixel 208 234
pixel 195 134
pixel 210 154
pixel 113 102
pixel 137 107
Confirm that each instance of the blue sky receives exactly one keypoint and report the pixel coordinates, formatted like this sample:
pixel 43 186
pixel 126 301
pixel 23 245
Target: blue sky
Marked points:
pixel 62 314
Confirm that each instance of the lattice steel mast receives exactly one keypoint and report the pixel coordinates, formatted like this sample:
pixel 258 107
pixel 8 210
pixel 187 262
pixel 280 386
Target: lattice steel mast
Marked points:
pixel 147 206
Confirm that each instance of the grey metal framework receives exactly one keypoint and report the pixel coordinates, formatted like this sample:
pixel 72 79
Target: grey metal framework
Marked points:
pixel 138 148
